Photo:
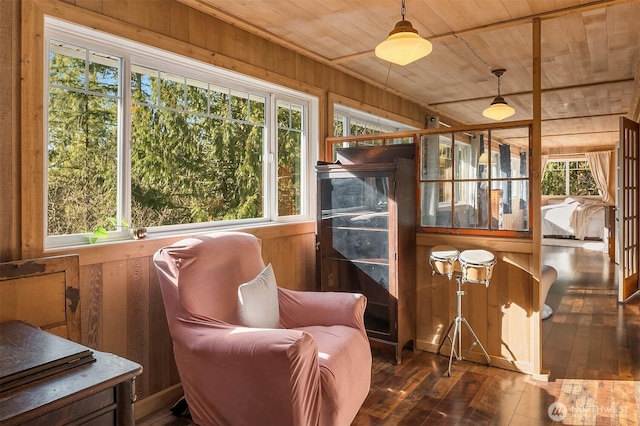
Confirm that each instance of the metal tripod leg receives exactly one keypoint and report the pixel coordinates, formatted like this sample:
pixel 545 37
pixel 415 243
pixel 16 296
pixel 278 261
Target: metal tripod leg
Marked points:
pixel 456 338
pixel 476 341
pixel 453 340
pixel 457 333
pixel 446 336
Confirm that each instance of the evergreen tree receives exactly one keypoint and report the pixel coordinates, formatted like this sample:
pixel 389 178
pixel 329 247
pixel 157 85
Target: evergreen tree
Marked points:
pixel 82 145
pixel 196 150
pixel 192 167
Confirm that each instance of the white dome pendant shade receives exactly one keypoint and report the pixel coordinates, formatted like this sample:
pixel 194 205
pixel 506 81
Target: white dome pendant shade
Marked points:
pixel 403 45
pixel 499 109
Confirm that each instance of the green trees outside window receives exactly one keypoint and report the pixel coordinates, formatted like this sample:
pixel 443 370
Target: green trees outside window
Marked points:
pixel 83 139
pixel 350 122
pixel 196 153
pixel 161 148
pixel 290 149
pixel 568 177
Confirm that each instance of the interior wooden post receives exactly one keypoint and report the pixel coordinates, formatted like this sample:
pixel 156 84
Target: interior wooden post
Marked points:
pixel 536 190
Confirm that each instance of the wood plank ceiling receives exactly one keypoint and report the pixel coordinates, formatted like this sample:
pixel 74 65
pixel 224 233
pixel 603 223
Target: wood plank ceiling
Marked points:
pixel 590 55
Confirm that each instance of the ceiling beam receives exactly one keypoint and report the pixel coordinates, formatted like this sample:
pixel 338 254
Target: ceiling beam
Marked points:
pixel 569 150
pixel 579 117
pixel 205 7
pixel 549 90
pixel 604 132
pixel 597 4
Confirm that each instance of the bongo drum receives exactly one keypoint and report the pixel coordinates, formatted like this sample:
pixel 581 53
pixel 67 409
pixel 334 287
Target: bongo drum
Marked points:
pixel 477 266
pixel 442 259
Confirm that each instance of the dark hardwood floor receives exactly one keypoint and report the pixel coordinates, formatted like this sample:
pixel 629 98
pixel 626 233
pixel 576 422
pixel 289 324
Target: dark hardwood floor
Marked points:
pixel 591 346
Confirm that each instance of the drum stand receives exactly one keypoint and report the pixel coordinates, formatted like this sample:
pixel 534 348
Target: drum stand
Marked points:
pixel 456 340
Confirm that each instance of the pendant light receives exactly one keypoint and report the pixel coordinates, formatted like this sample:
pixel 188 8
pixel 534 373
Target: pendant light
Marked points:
pixel 498 110
pixel 403 45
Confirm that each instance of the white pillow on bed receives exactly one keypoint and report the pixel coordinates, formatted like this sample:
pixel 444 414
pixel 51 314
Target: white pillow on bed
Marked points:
pixel 570 200
pixel 258 301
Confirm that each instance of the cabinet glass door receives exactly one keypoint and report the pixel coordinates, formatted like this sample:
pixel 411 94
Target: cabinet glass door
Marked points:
pixel 354 241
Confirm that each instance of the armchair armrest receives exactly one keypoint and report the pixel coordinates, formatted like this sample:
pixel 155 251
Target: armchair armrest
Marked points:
pixel 307 308
pixel 264 376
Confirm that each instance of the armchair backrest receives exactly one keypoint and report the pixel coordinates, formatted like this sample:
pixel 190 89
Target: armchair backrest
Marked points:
pixel 201 274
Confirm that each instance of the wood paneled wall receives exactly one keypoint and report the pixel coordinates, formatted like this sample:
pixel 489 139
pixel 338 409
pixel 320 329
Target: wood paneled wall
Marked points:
pixel 503 315
pixel 172 26
pixel 121 307
pixel 10 131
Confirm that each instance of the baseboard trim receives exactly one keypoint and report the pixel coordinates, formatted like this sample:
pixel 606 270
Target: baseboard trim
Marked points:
pixel 158 401
pixel 500 362
pixel 543 376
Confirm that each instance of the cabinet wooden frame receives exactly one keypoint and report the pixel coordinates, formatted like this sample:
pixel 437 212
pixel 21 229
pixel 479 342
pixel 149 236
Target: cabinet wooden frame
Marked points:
pixel 339 271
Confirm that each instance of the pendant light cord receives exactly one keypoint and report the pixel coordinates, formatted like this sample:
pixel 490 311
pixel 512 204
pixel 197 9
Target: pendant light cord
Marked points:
pixel 403 9
pixel 472 50
pixel 386 84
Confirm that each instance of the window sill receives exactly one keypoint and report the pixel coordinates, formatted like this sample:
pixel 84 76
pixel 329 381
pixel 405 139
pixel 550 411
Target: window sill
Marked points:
pixel 123 249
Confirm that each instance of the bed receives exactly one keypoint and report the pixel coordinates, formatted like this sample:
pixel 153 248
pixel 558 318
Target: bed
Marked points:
pixel 574 218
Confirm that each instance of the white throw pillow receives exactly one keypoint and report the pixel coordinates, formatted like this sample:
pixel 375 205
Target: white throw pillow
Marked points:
pixel 258 301
pixel 571 200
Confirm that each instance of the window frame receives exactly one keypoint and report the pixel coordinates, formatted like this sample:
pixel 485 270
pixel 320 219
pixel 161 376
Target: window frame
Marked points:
pixel 132 52
pixel 377 123
pixel 567 177
pixel 404 136
pixel 491 164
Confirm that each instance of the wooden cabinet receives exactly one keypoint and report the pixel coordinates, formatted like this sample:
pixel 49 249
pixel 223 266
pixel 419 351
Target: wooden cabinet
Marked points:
pixel 366 242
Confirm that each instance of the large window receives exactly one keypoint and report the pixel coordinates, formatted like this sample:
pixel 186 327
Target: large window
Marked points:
pixel 147 138
pixel 351 122
pixel 474 181
pixel 568 177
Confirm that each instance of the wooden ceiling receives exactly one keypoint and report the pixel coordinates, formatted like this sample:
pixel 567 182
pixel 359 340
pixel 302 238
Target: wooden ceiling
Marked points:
pixel 590 55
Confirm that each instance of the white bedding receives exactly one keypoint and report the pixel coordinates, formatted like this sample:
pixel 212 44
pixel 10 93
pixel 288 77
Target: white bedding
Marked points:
pixel 574 219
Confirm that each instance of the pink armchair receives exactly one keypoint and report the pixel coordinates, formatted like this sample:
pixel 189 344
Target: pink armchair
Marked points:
pixel 313 370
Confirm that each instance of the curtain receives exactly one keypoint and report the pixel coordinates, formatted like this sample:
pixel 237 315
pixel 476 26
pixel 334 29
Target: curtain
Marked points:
pixel 505 169
pixel 477 148
pixel 430 170
pixel 543 160
pixel 599 164
pixel 524 171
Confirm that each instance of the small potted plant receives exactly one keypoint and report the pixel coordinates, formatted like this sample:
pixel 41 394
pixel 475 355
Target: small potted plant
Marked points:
pixel 100 232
